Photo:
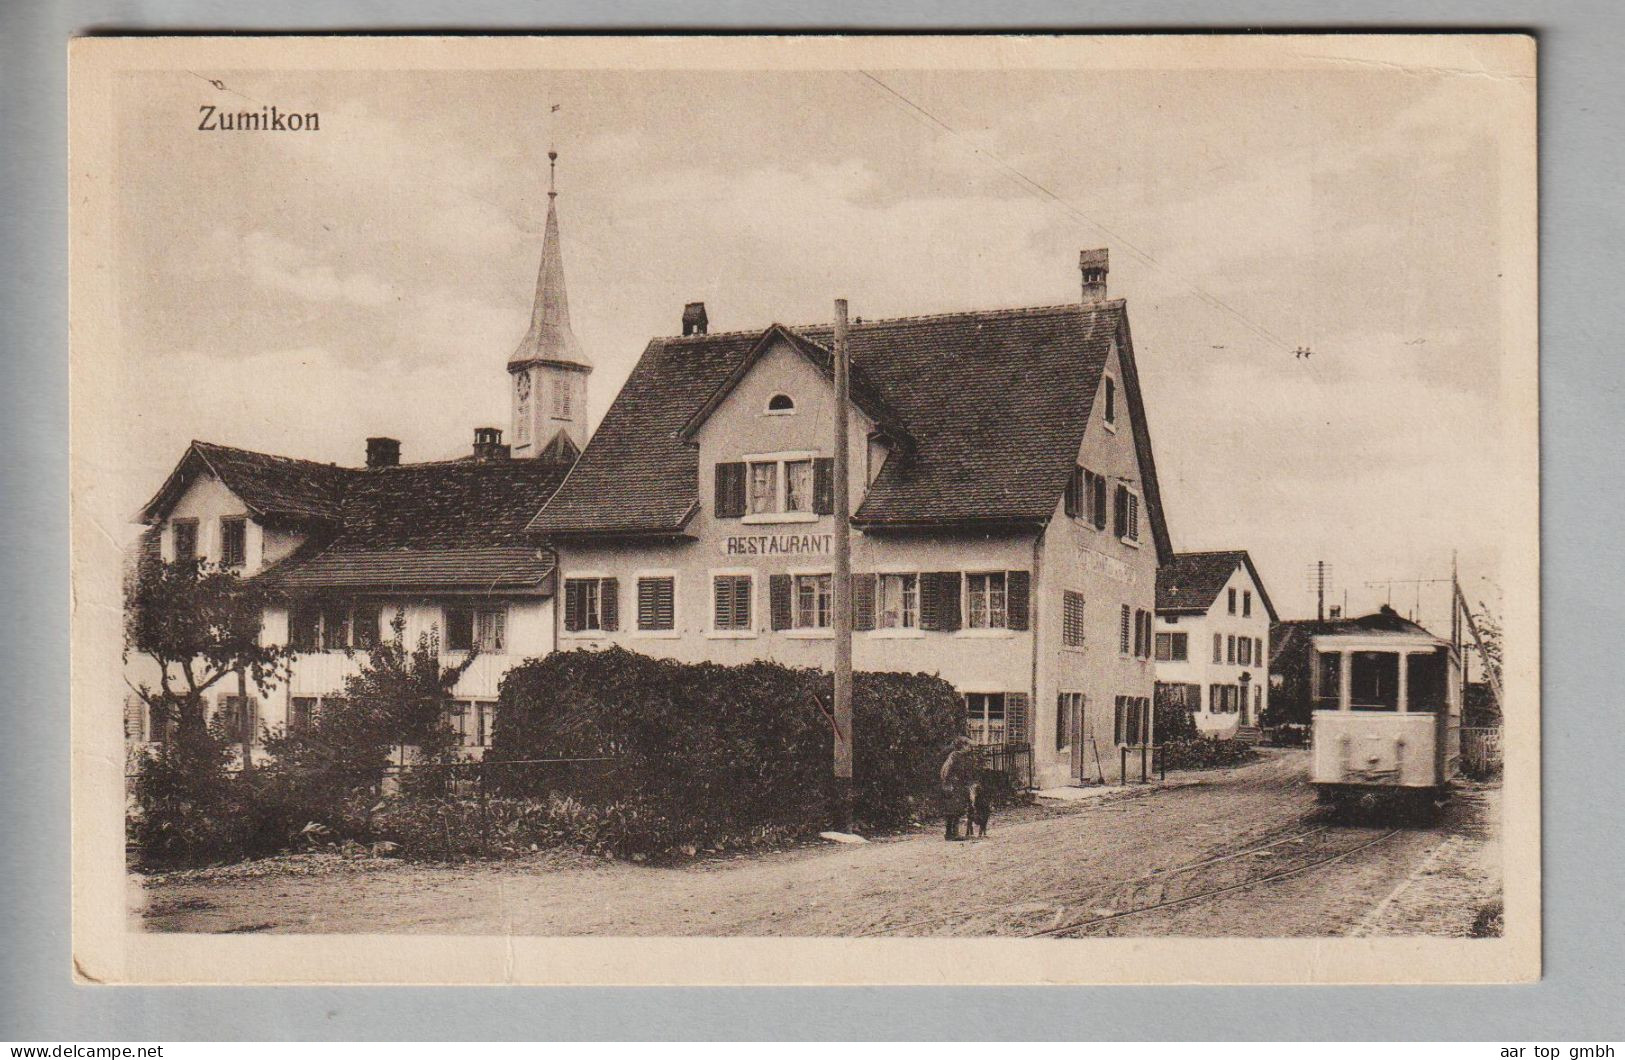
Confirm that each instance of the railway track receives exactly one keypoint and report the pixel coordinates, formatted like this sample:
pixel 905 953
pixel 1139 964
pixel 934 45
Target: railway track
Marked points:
pixel 1164 888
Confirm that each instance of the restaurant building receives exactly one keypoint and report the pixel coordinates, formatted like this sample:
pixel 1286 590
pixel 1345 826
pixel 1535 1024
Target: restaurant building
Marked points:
pixel 1007 521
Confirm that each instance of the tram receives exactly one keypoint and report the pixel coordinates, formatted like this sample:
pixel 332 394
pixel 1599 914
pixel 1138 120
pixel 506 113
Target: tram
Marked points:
pixel 1387 719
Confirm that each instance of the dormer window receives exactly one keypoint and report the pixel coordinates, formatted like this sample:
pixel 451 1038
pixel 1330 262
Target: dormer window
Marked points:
pixel 781 405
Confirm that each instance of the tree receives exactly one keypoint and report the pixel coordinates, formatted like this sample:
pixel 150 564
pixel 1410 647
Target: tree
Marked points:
pixel 397 700
pixel 200 623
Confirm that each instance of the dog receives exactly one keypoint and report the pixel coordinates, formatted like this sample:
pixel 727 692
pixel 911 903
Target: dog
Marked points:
pixel 981 809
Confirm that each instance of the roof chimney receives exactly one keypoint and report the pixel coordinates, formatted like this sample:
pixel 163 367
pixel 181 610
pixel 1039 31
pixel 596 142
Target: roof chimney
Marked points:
pixel 488 445
pixel 1092 263
pixel 383 452
pixel 694 319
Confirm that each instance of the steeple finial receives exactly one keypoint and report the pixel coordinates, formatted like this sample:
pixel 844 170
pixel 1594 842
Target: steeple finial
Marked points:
pixel 550 339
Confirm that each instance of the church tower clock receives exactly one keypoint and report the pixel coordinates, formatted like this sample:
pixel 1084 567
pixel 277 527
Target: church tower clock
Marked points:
pixel 549 369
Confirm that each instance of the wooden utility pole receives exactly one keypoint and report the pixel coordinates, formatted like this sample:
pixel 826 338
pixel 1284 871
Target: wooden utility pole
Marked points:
pixel 842 595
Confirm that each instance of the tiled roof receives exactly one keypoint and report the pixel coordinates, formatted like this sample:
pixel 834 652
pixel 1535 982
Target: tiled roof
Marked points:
pixel 456 524
pixel 446 569
pixel 994 404
pixel 1189 582
pixel 273 487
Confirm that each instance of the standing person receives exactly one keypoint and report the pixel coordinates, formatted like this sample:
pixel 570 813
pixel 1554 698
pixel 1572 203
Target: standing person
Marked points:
pixel 959 775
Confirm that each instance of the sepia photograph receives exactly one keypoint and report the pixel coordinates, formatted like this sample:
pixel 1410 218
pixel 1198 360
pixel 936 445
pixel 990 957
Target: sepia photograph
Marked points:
pixel 805 510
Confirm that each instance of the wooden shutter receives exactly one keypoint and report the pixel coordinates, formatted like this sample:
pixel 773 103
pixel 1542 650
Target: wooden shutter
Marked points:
pixel 863 602
pixel 609 603
pixel 824 486
pixel 1018 597
pixel 572 609
pixel 730 490
pixel 778 598
pixel 1120 513
pixel 948 611
pixel 1074 492
pixel 1015 717
pixel 1100 501
pixel 722 603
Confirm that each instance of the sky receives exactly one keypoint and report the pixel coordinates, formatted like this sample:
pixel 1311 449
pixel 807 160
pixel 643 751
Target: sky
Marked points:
pixel 296 293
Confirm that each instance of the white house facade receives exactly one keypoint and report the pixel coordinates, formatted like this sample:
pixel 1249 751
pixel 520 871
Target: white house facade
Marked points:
pixel 1212 641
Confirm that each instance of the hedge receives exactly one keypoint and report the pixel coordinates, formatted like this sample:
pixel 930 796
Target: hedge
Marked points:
pixel 705 752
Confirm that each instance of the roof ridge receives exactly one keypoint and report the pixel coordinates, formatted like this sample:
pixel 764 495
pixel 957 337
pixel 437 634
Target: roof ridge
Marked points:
pixel 1110 303
pixel 1214 552
pixel 272 456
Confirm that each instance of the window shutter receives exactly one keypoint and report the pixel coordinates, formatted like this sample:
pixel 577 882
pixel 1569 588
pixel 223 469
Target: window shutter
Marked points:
pixel 730 490
pixel 1120 520
pixel 778 595
pixel 929 604
pixel 1100 502
pixel 609 603
pixel 824 486
pixel 1015 717
pixel 863 602
pixel 572 609
pixel 646 603
pixel 948 611
pixel 743 585
pixel 1018 597
pixel 1074 492
pixel 722 604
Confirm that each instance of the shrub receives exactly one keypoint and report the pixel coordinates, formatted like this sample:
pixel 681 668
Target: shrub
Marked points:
pixel 1205 752
pixel 1174 722
pixel 704 751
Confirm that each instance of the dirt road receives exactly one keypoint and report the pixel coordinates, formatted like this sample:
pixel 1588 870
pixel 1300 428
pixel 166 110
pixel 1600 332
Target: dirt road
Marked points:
pixel 1123 865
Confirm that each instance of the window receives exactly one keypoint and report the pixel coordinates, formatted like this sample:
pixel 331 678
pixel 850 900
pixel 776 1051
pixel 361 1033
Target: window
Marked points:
pixel 1111 402
pixel 1123 633
pixel 781 404
pixel 1075 500
pixel 234 541
pixel 657 603
pixel 1231 595
pixel 1230 650
pixel 1218 647
pixel 985 601
pixel 335 628
pixel 798 485
pixel 1328 680
pixel 239 717
pixel 1246 605
pixel 985 717
pixel 470 628
pixel 1224 699
pixel 1142 634
pixel 591 605
pixel 814 600
pixel 1127 515
pixel 185 540
pixel 1374 680
pixel 1072 619
pixel 1179 696
pixel 1098 501
pixel 1258 651
pixel 301 714
pixel 1427 682
pixel 731 599
pixel 364 627
pixel 763 491
pixel 1244 651
pixel 899 601
pixel 1173 647
pixel 1132 723
pixel 1068 718
pixel 473 720
pixel 304 628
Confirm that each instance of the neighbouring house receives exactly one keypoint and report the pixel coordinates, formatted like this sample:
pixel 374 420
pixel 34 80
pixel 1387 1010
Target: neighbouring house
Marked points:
pixel 1008 524
pixel 443 544
pixel 1213 628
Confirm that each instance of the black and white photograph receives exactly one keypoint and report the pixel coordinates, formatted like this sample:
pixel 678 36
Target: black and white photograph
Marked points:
pixel 805 510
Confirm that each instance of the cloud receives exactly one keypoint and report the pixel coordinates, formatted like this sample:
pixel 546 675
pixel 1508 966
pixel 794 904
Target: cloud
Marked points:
pixel 279 265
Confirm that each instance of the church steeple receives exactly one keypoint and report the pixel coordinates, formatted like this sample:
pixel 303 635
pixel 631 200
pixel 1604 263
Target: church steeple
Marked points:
pixel 548 368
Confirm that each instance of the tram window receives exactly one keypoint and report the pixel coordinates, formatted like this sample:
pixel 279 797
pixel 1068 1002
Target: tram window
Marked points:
pixel 1374 681
pixel 1328 680
pixel 1425 682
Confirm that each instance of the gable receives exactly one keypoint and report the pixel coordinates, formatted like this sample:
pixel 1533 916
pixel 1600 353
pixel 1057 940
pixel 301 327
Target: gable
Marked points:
pixel 741 422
